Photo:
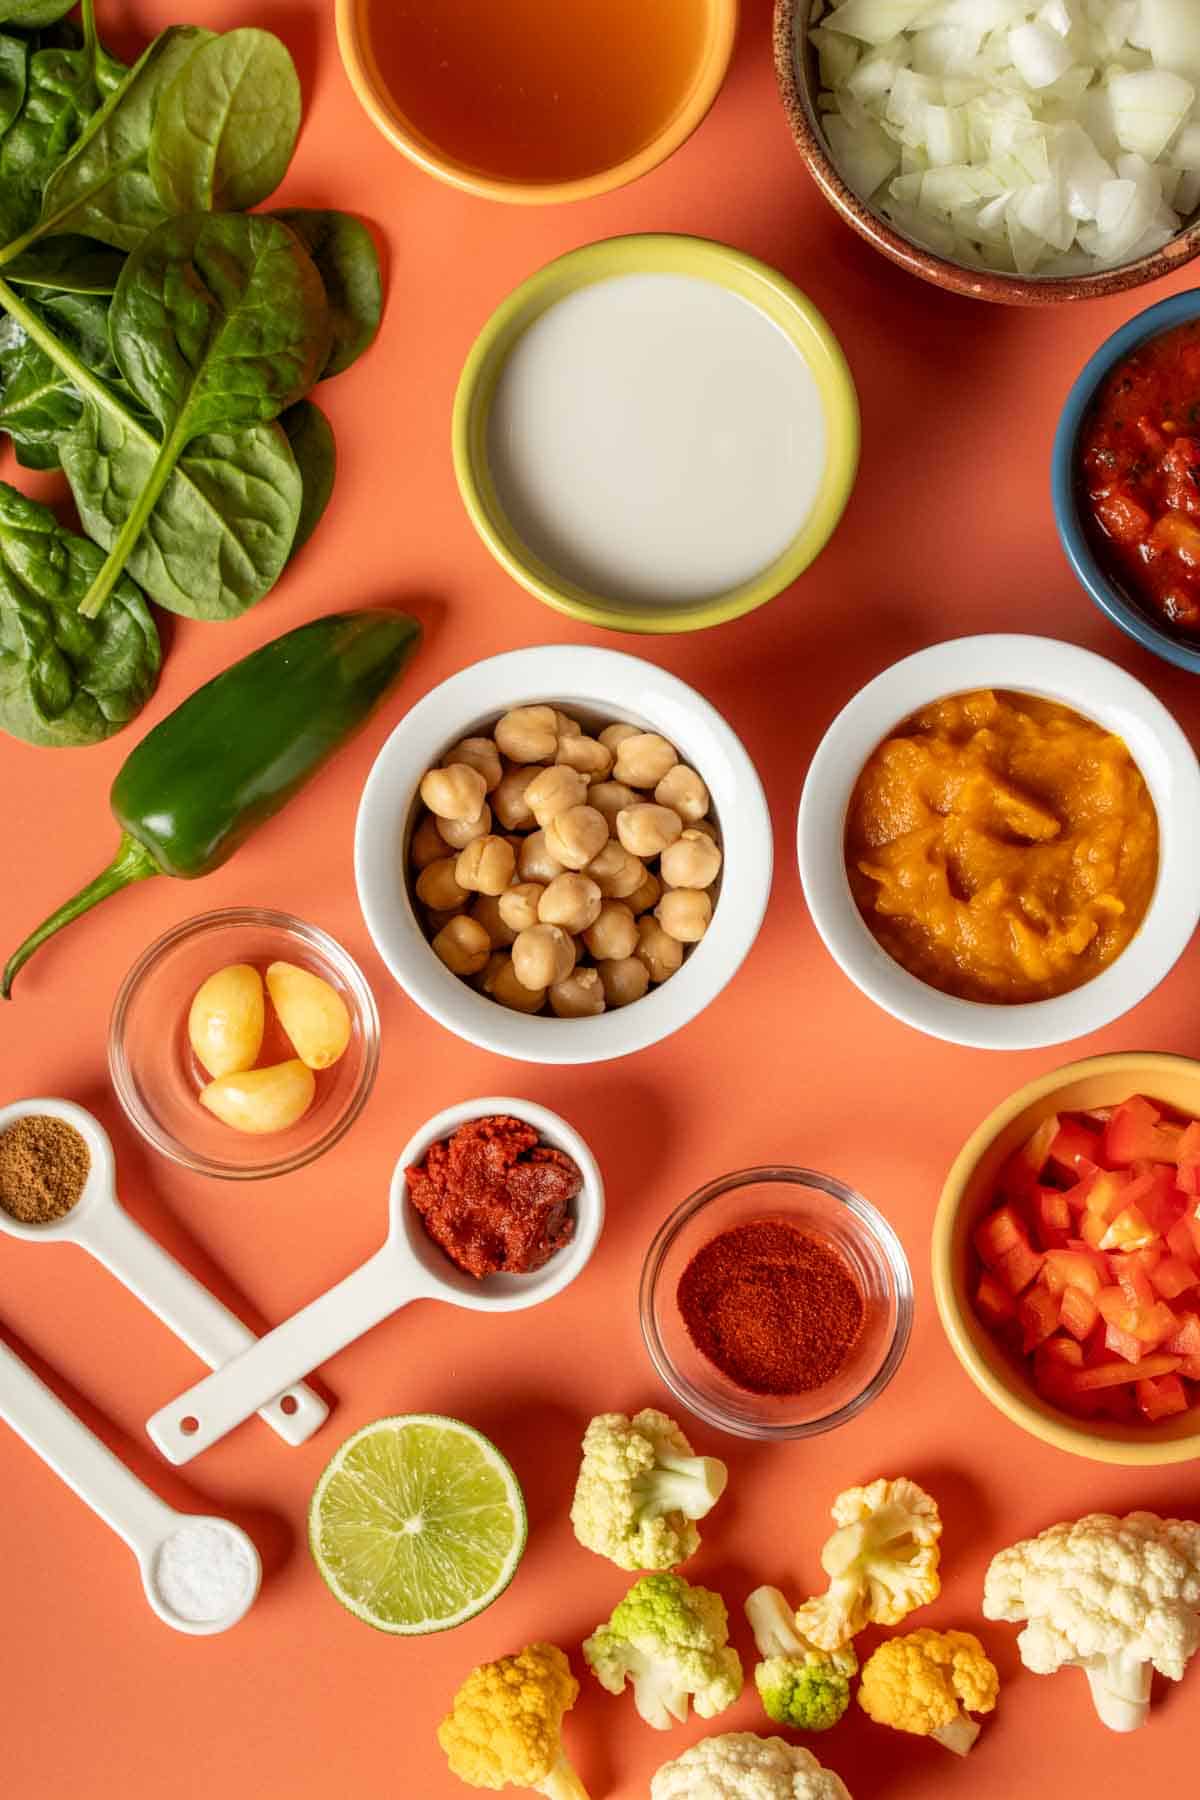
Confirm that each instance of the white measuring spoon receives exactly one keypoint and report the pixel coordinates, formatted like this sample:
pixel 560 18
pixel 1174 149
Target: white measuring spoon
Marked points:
pixel 112 1491
pixel 99 1224
pixel 409 1267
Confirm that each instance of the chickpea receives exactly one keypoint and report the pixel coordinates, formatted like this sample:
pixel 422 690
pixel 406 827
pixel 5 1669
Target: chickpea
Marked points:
pixel 486 866
pixel 438 887
pixel 553 791
pixel 580 996
pixel 623 980
pixel 529 734
pixel 514 840
pixel 683 791
pixel 684 914
pixel 534 861
pixel 587 755
pixel 454 793
pixel 707 829
pixel 519 905
pixel 477 753
pixel 574 837
pixel 463 945
pixel 487 910
pixel 613 736
pixel 615 872
pixel 458 833
pixel 542 955
pixel 608 798
pixel 643 898
pixel 499 979
pixel 508 799
pixel 661 954
pixel 566 726
pixel 613 933
pixel 426 844
pixel 643 759
pixel 645 830
pixel 572 901
pixel 437 916
pixel 693 862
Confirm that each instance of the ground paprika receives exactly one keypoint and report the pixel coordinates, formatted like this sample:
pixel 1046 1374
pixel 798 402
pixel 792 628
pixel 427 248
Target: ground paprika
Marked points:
pixel 774 1307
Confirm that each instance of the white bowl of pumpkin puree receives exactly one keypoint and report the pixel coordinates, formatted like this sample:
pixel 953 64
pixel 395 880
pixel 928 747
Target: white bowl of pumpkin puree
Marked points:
pixel 999 841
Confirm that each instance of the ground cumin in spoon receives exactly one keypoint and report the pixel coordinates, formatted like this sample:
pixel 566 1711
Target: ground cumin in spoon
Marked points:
pixel 44 1165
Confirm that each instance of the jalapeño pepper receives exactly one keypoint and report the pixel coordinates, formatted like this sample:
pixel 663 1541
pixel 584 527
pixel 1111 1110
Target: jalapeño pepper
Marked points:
pixel 237 750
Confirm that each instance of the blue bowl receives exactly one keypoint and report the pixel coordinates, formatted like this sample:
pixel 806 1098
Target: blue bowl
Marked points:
pixel 1109 593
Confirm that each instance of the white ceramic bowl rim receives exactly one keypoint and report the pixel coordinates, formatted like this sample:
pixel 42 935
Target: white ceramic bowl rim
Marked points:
pixel 598 681
pixel 1053 670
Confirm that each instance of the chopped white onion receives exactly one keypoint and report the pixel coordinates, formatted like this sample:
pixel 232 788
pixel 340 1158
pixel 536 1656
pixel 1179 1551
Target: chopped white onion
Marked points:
pixel 1045 137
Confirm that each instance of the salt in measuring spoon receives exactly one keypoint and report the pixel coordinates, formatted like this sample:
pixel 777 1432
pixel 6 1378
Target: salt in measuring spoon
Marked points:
pixel 127 1505
pixel 99 1224
pixel 409 1267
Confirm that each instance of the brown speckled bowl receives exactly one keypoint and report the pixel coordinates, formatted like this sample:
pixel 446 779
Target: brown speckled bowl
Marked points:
pixel 799 85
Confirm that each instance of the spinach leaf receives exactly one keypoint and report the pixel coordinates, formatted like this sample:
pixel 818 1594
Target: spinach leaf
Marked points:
pixel 220 535
pixel 226 127
pixel 66 84
pixel 346 259
pixel 103 189
pixel 72 265
pixel 29 14
pixel 14 64
pixel 65 680
pixel 311 437
pixel 38 402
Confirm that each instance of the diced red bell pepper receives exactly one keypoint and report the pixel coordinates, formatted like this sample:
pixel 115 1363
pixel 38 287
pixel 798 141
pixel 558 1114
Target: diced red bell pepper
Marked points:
pixel 1001 1232
pixel 1052 1217
pixel 1172 1276
pixel 1190 1366
pixel 1185 1339
pixel 1154 1192
pixel 1183 1239
pixel 1112 1374
pixel 1124 1344
pixel 1093 1228
pixel 1104 1192
pixel 1077 1313
pixel 1019 1268
pixel 1162 1398
pixel 1038 1316
pixel 993 1302
pixel 1074 1148
pixel 1129 1230
pixel 1023 1170
pixel 1188 1157
pixel 1135 1134
pixel 1060 1350
pixel 1133 1276
pixel 1076 1268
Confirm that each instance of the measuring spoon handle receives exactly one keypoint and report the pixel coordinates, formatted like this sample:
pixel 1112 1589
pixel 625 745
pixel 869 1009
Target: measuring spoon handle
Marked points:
pixel 79 1458
pixel 188 1309
pixel 215 1405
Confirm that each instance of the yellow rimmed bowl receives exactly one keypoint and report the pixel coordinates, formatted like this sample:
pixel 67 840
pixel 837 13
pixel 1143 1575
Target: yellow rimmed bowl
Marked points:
pixel 969 1193
pixel 683 110
pixel 655 254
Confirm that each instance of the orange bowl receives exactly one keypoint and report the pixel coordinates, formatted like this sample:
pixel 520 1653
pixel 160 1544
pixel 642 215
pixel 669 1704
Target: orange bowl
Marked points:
pixel 513 100
pixel 969 1193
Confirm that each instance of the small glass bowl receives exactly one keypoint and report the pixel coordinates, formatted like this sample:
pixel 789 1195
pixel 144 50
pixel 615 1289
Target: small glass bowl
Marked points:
pixel 830 1211
pixel 156 1074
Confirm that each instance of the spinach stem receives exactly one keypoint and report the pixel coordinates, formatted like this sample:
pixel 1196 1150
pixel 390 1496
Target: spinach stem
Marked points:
pixel 114 563
pixel 65 359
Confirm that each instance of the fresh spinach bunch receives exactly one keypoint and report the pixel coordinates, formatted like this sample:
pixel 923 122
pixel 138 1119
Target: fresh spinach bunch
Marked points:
pixel 156 342
pixel 65 680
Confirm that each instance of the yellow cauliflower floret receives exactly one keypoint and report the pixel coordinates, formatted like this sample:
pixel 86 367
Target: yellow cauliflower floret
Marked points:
pixel 882 1562
pixel 923 1682
pixel 504 1727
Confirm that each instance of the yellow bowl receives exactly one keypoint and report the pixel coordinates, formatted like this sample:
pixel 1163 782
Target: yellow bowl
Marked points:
pixel 371 88
pixel 655 254
pixel 969 1193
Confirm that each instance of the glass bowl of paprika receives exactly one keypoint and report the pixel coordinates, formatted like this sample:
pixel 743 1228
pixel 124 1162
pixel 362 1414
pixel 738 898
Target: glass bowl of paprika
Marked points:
pixel 776 1303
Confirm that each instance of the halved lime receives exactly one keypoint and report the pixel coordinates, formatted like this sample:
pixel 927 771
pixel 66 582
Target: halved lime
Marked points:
pixel 417 1524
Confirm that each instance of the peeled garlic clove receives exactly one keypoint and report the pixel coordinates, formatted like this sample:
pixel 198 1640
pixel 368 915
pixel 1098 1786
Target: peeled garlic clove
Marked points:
pixel 261 1100
pixel 225 1020
pixel 313 1014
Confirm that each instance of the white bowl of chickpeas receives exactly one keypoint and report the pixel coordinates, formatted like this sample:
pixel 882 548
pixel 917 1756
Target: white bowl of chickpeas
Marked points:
pixel 563 854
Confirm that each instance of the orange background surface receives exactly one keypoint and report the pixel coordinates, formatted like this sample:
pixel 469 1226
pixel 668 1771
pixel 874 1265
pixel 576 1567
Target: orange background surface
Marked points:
pixel 949 531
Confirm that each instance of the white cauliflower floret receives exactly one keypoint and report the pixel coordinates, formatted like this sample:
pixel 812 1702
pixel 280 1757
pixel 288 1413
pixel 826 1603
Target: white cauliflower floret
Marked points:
pixel 1117 1598
pixel 741 1766
pixel 640 1489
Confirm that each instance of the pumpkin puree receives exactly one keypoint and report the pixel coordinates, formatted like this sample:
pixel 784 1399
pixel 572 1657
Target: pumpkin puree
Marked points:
pixel 1001 847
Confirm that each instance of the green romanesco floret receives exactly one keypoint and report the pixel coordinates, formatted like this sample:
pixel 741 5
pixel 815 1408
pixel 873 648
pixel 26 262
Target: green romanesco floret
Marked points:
pixel 640 1490
pixel 504 1727
pixel 740 1766
pixel 882 1561
pixel 1117 1598
pixel 672 1641
pixel 798 1684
